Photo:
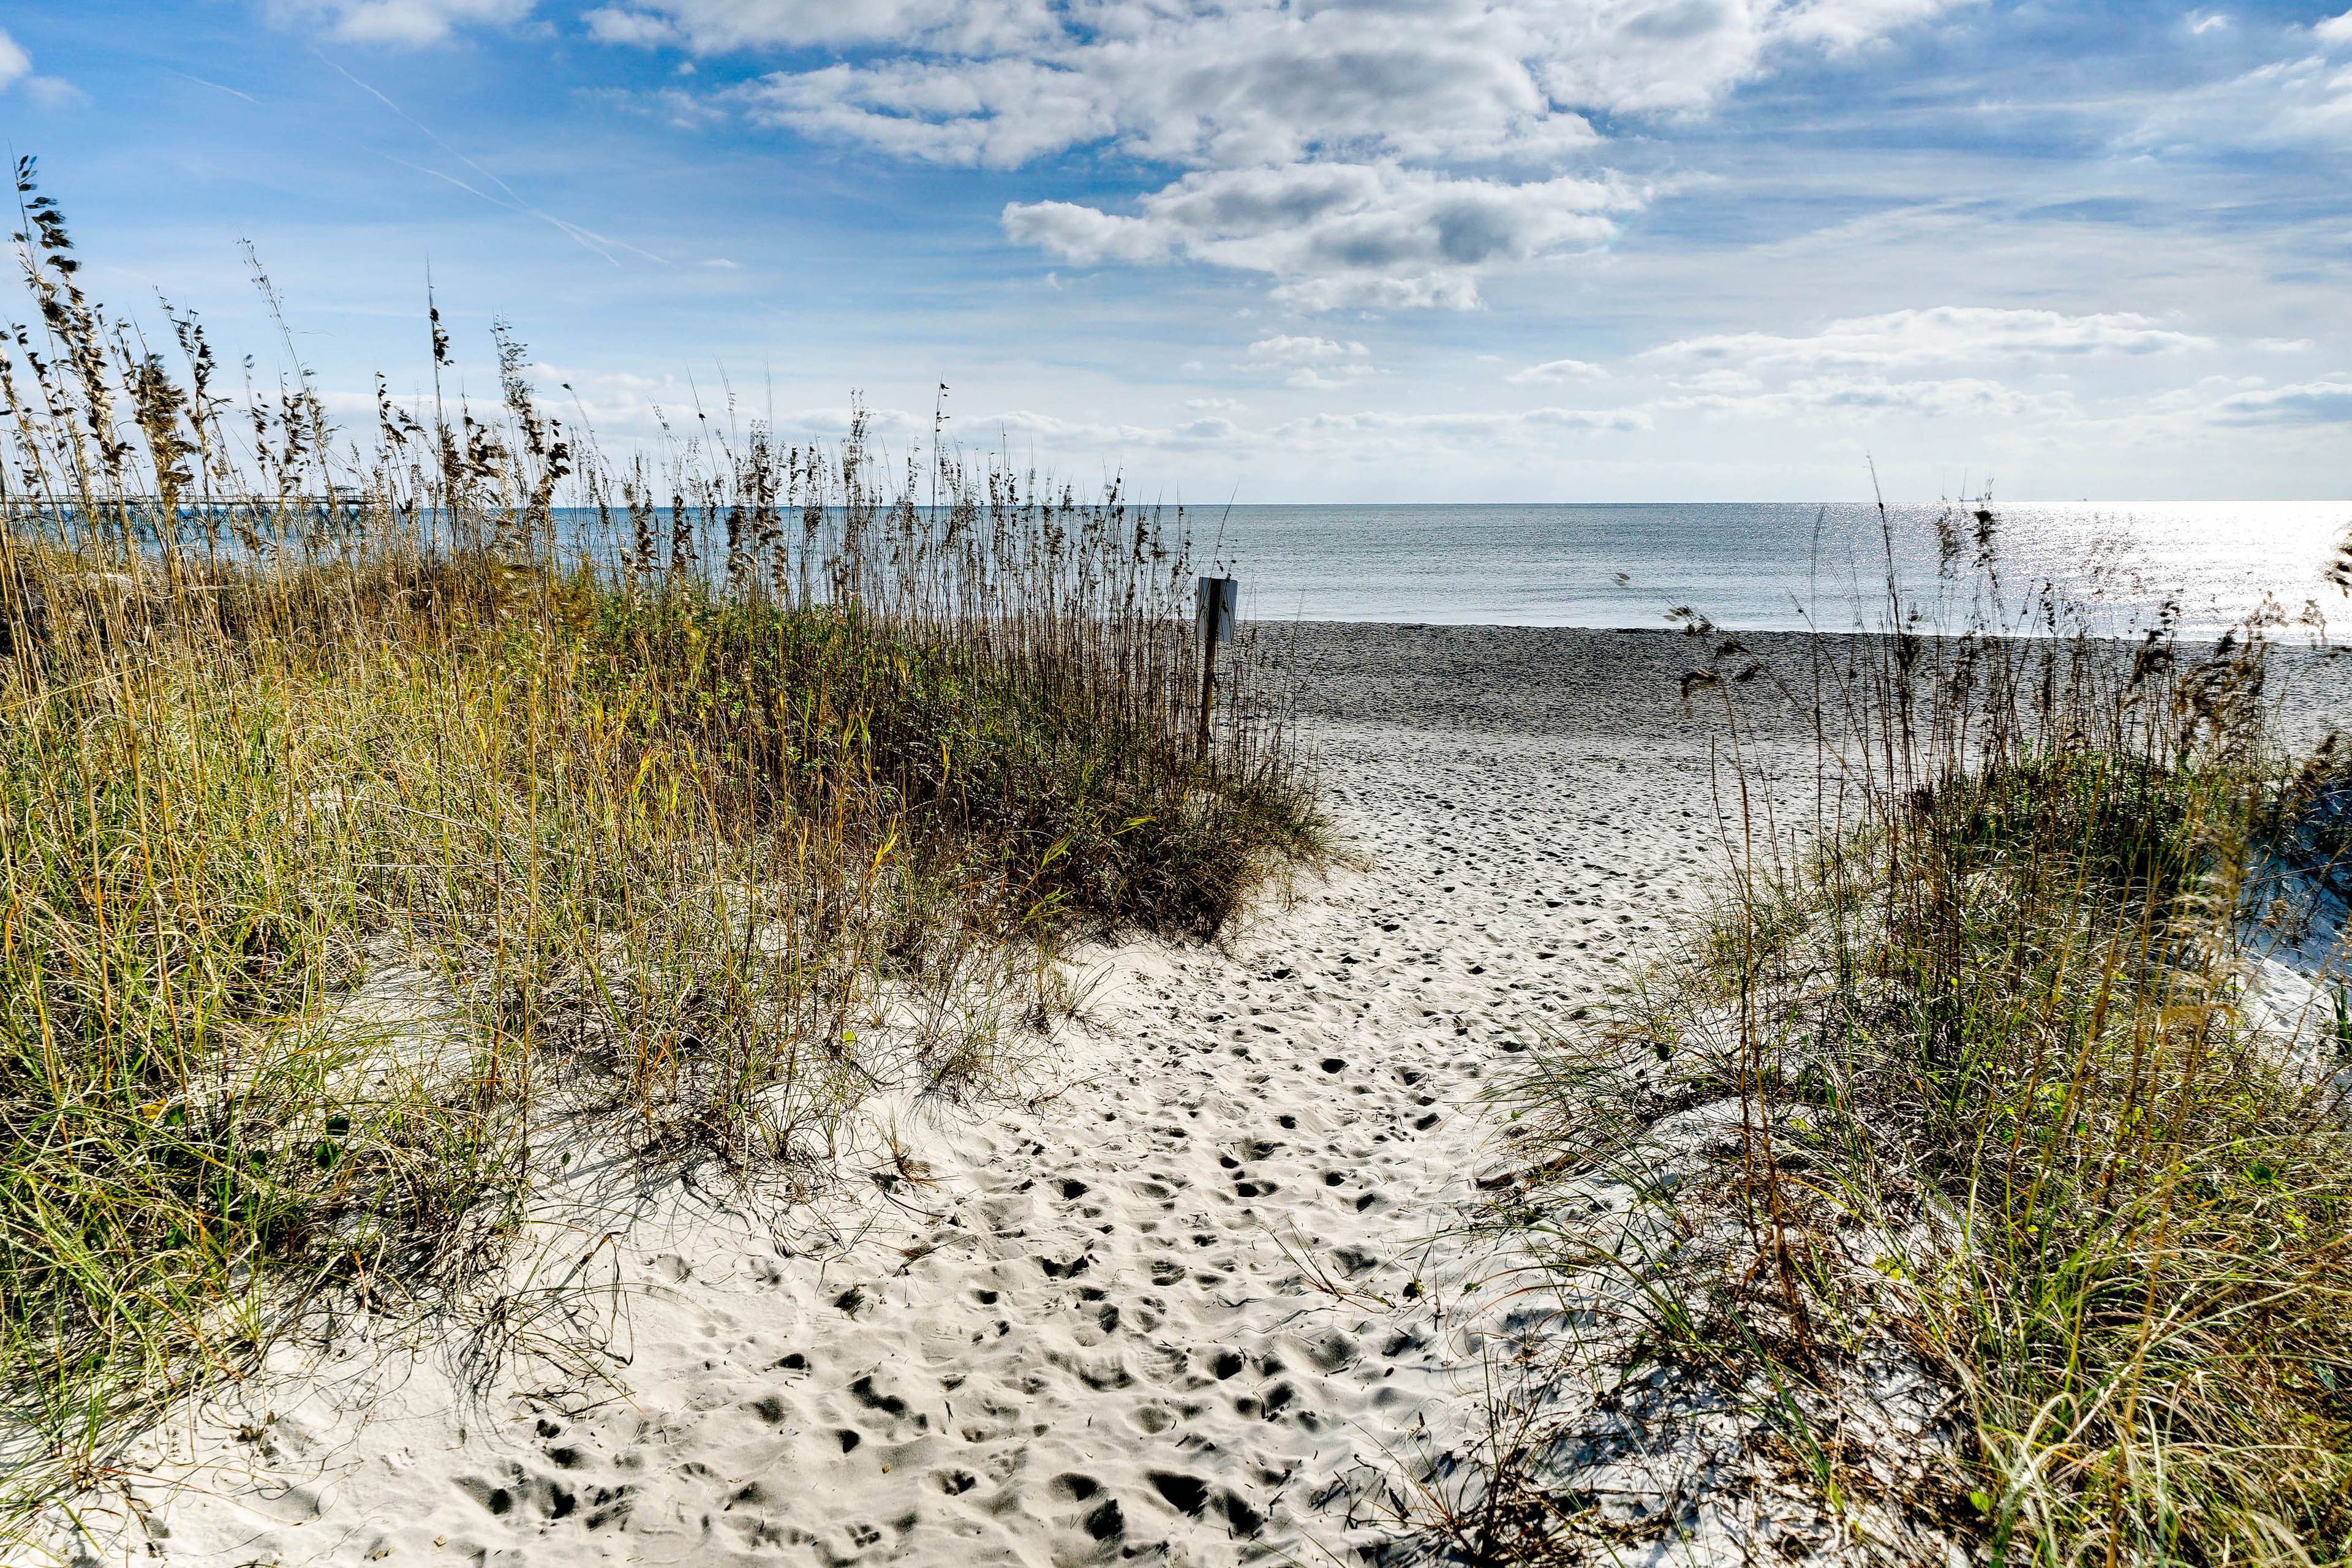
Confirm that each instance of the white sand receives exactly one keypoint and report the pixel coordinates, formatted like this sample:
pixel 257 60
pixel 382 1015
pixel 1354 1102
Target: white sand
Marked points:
pixel 1085 1332
pixel 1085 1335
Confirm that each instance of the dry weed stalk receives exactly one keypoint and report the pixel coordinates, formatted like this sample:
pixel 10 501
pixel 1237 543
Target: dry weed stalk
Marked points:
pixel 711 789
pixel 2009 1104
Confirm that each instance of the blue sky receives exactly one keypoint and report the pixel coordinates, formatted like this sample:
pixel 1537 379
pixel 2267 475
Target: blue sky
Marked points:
pixel 1364 250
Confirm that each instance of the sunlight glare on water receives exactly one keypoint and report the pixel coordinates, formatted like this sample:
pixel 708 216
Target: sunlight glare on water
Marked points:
pixel 1765 566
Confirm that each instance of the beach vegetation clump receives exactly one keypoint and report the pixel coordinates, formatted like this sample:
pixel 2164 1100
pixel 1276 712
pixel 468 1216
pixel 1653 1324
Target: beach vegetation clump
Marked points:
pixel 386 811
pixel 2018 1032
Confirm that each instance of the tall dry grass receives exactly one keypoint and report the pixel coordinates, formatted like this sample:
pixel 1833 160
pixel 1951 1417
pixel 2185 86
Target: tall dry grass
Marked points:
pixel 2013 1101
pixel 698 795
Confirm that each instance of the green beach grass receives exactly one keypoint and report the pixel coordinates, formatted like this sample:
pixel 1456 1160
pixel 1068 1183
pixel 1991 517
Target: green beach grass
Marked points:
pixel 2011 1108
pixel 663 775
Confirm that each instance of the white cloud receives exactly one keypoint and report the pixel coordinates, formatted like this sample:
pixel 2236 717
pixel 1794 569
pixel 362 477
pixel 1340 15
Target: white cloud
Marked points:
pixel 2211 22
pixel 2310 98
pixel 1290 350
pixel 1349 119
pixel 1556 371
pixel 1729 383
pixel 615 26
pixel 1946 334
pixel 1411 431
pixel 1217 87
pixel 720 26
pixel 1850 398
pixel 1207 431
pixel 48 91
pixel 1085 235
pixel 999 112
pixel 1230 82
pixel 1940 399
pixel 1376 236
pixel 403 21
pixel 1311 363
pixel 2328 402
pixel 1360 433
pixel 55 92
pixel 1843 25
pixel 2306 97
pixel 1867 367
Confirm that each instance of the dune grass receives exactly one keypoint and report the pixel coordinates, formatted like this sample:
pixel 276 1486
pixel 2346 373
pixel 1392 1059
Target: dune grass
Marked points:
pixel 2014 1102
pixel 698 797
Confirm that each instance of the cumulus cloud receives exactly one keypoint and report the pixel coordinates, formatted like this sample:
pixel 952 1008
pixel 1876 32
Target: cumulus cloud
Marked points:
pixel 1228 82
pixel 2336 29
pixel 1842 26
pixel 1946 334
pixel 2325 401
pixel 1358 113
pixel 48 91
pixel 1210 86
pixel 1309 362
pixel 1363 433
pixel 1933 398
pixel 402 22
pixel 1853 398
pixel 1899 363
pixel 720 26
pixel 1208 431
pixel 614 27
pixel 1556 371
pixel 1379 236
pixel 1721 380
pixel 941 113
pixel 1285 349
pixel 1412 432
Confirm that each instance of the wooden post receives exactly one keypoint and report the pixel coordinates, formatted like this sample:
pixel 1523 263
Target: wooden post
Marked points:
pixel 1215 619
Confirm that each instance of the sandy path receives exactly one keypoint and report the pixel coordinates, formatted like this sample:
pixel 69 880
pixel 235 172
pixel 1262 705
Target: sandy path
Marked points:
pixel 1083 1333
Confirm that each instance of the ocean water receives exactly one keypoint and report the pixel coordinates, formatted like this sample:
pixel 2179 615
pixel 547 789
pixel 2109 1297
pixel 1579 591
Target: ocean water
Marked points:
pixel 1763 567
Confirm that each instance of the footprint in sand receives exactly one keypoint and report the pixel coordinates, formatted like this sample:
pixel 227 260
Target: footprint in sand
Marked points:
pixel 1087 1334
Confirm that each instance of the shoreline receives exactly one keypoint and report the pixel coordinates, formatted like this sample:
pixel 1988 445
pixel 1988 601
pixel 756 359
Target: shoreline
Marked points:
pixel 1518 679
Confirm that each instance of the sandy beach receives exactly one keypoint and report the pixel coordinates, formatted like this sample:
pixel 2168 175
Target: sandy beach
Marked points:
pixel 1190 1297
pixel 1231 783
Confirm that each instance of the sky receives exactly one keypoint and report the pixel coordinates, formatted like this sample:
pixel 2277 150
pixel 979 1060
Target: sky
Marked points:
pixel 1274 250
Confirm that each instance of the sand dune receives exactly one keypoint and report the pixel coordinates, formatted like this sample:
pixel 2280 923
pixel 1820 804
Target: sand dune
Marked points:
pixel 1192 1298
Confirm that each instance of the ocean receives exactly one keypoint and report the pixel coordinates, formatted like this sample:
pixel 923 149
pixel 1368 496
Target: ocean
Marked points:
pixel 1761 566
